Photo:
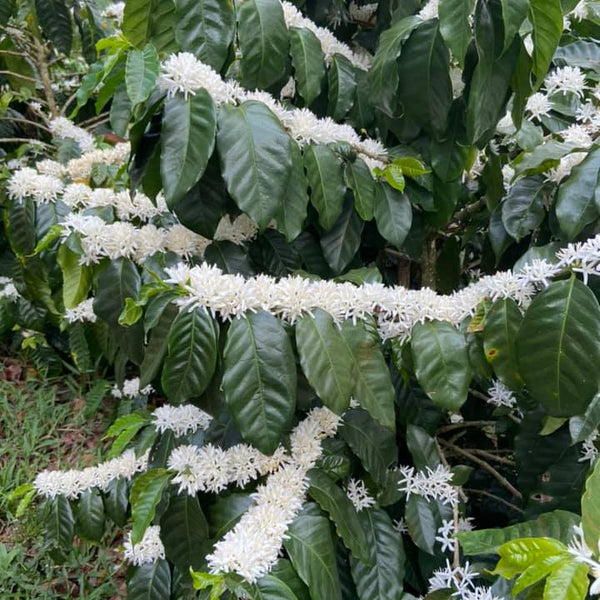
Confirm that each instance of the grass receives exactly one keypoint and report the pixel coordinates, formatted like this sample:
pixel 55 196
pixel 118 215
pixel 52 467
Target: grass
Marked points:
pixel 42 425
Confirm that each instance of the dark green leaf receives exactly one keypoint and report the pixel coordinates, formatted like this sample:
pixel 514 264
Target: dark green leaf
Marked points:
pixel 192 357
pixel 264 41
pixel 342 241
pixel 90 516
pixel 523 209
pixel 547 21
pixel 146 493
pixel 423 519
pixel 282 583
pixel 117 282
pixel 362 184
pixel 137 21
pixel 342 85
pixel 260 379
pixel 326 179
pixel 116 501
pixel 205 28
pixel 455 27
pixel 423 448
pixel 60 525
pixel 558 345
pixel 311 550
pixel 188 140
pixel 382 576
pixel 256 160
pixel 513 15
pixel 157 346
pixel 55 21
pixel 582 427
pixel 7 8
pixel 141 73
pixel 373 444
pixel 77 278
pixel 326 359
pixel 441 363
pixel 308 62
pixel 151 581
pixel 393 214
pixel 226 512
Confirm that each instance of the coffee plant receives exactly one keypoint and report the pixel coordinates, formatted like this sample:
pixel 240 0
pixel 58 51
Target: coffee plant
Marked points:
pixel 342 261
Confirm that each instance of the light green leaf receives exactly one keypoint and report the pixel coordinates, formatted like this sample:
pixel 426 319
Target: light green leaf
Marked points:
pixel 146 493
pixel 518 555
pixel 558 345
pixel 259 379
pixel 568 582
pixel 187 142
pixel 256 159
pixel 264 41
pixel 141 73
pixel 326 359
pixel 192 356
pixel 590 508
pixel 538 571
pixel 311 550
pixel 455 27
pixel 308 61
pixel 441 363
pixel 205 28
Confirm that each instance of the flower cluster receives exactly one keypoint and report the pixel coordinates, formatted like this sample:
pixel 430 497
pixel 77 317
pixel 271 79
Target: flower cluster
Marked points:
pixel 65 129
pixel 432 484
pixel 184 73
pixel 211 469
pixel 461 580
pixel 73 483
pixel 131 389
pixel 82 313
pixel 181 420
pixel 430 10
pixel 149 549
pixel 589 451
pixel 252 547
pixel 446 534
pixel 358 495
pixel 8 291
pixel 80 169
pixel 500 396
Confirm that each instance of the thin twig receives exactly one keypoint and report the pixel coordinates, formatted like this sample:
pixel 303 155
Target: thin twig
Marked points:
pixel 491 456
pixel 24 141
pixel 484 465
pixel 42 66
pixel 27 121
pixel 19 76
pixel 494 497
pixel 462 495
pixel 453 426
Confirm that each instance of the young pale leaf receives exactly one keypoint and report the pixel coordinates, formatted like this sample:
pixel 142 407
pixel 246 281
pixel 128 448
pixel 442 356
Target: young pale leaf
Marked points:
pixel 146 493
pixel 326 179
pixel 259 379
pixel 151 581
pixel 192 357
pixel 455 27
pixel 382 575
pixel 311 550
pixel 187 142
pixel 205 28
pixel 308 62
pixel 590 508
pixel 393 214
pixel 568 582
pixel 342 85
pixel 141 73
pixel 264 41
pixel 547 20
pixel 558 345
pixel 332 499
pixel 539 570
pixel 326 359
pixel 373 444
pixel 578 202
pixel 518 555
pixel 500 330
pixel 372 384
pixel 441 363
pixel 256 159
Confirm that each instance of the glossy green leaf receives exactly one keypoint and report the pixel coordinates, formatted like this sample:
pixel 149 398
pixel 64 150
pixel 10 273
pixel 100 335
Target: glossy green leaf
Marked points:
pixel 260 379
pixel 151 581
pixel 538 571
pixel 341 243
pixel 187 142
pixel 371 442
pixel 117 282
pixel 372 384
pixel 558 345
pixel 441 363
pixel 263 41
pixel 362 184
pixel 226 512
pixel 422 520
pixel 518 555
pixel 582 427
pixel 425 89
pixel 514 13
pixel 205 28
pixel 578 202
pixel 342 85
pixel 55 20
pixel 157 346
pixel 141 73
pixel 325 174
pixel 590 508
pixel 423 448
pixel 547 21
pixel 523 209
pixel 77 278
pixel 90 516
pixel 383 75
pixel 146 493
pixel 393 214
pixel 455 27
pixel 308 61
pixel 281 583
pixel 326 359
pixel 116 501
pixel 137 21
pixel 311 550
pixel 500 330
pixel 382 575
pixel 557 524
pixel 256 161
pixel 192 356
pixel 184 531
pixel 568 582
pixel 60 524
